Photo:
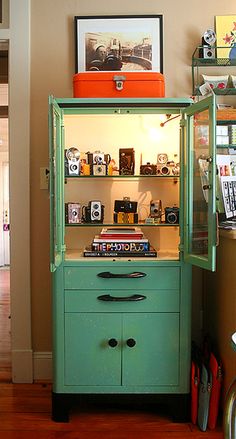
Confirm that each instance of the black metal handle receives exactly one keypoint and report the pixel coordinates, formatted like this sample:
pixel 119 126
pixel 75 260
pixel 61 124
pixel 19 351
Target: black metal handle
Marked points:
pixel 131 342
pixel 133 298
pixel 109 275
pixel 112 342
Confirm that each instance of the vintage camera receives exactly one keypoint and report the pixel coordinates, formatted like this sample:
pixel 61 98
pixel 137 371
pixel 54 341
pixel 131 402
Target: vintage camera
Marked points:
pixel 125 211
pixel 155 209
pixel 164 170
pixel 148 169
pixel 98 158
pixel 99 169
pixel 72 161
pixel 126 161
pixel 208 40
pixel 72 213
pixel 93 213
pixel 162 158
pixel 172 215
pixel 125 205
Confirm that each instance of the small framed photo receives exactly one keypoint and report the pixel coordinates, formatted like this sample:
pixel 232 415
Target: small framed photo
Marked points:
pixel 127 43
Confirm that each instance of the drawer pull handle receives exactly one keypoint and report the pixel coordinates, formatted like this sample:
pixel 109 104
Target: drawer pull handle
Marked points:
pixel 131 342
pixel 133 298
pixel 109 275
pixel 112 342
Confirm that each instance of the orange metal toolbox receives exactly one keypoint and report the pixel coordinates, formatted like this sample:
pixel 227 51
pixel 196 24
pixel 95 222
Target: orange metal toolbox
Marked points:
pixel 117 84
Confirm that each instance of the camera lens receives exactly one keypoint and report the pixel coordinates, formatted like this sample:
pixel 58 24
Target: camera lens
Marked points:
pixel 165 170
pixel 73 167
pixel 171 218
pixel 148 170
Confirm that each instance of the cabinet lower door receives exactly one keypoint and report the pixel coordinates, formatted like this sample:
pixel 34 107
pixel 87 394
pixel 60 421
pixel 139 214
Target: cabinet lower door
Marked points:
pixel 89 359
pixel 153 356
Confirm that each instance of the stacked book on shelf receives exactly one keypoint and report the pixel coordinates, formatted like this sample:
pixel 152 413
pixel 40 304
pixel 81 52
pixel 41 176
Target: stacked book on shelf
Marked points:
pixel 120 242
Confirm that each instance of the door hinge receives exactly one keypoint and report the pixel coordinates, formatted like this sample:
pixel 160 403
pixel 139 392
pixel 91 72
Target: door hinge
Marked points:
pixel 63 248
pixel 183 122
pixel 181 247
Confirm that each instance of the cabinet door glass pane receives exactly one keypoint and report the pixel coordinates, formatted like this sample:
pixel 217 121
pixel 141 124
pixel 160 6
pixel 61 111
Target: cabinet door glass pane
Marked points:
pixel 55 186
pixel 200 187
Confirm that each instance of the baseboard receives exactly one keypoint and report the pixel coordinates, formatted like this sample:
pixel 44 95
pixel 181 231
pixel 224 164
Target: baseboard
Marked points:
pixel 42 366
pixel 22 366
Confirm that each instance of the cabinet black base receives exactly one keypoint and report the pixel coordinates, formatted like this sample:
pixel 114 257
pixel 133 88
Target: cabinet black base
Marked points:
pixel 178 405
pixel 60 407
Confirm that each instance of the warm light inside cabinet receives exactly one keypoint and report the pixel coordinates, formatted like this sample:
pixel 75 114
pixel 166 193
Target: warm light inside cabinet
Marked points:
pixel 108 133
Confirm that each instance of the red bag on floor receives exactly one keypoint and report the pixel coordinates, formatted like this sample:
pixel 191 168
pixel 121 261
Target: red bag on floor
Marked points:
pixel 195 379
pixel 216 372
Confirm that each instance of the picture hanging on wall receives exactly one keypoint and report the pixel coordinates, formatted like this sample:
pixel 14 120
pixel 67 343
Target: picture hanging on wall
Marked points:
pixel 126 43
pixel 225 26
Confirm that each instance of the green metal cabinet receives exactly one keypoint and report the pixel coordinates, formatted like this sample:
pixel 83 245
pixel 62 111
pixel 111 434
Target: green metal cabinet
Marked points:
pixel 124 345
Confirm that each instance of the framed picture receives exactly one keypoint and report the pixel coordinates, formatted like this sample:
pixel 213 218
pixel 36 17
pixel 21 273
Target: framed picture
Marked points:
pixel 127 43
pixel 225 26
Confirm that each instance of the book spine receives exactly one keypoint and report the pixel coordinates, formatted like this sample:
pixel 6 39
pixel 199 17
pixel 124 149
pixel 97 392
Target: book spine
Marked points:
pixel 150 254
pixel 121 246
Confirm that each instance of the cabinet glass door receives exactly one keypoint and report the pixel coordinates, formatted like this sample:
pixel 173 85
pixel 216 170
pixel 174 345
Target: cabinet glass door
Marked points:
pixel 199 184
pixel 56 173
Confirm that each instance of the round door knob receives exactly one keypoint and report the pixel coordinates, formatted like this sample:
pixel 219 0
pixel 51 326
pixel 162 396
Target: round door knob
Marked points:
pixel 131 342
pixel 112 342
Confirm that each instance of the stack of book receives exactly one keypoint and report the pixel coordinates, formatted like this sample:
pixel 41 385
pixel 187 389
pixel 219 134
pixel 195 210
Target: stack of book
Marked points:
pixel 120 242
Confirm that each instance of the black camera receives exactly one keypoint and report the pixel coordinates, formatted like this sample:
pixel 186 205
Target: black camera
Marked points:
pixel 148 169
pixel 125 211
pixel 172 215
pixel 125 206
pixel 93 213
pixel 126 161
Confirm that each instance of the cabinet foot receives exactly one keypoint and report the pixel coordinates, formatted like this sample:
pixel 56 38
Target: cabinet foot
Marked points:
pixel 60 407
pixel 180 407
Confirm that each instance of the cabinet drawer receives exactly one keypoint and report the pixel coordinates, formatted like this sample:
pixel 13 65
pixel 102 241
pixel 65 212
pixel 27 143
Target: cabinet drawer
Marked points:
pixel 122 301
pixel 157 278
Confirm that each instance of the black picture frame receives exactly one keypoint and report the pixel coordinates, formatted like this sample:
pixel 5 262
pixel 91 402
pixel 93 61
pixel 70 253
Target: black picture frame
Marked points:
pixel 123 42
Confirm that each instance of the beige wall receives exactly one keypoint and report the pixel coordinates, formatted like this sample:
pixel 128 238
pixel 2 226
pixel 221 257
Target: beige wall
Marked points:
pixel 52 68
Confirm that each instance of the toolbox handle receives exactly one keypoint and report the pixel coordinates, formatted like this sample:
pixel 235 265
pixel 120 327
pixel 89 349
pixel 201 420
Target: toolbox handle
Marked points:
pixel 133 298
pixel 109 275
pixel 119 80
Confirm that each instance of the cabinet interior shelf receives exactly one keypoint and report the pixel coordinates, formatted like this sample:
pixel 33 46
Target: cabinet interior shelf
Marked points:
pixel 113 177
pixel 121 225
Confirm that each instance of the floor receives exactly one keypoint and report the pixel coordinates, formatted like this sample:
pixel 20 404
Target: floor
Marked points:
pixel 25 409
pixel 25 413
